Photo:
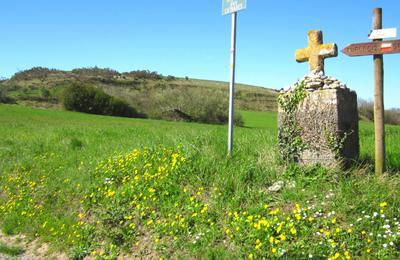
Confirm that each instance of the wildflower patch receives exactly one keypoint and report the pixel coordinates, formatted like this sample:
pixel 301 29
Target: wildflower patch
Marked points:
pixel 142 194
pixel 309 232
pixel 144 201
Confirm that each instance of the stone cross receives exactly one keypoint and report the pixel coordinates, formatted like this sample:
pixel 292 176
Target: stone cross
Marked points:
pixel 316 52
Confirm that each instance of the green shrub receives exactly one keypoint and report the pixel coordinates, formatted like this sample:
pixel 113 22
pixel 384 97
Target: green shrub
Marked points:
pixel 88 99
pixel 190 104
pixel 392 117
pixel 35 73
pixel 45 93
pixel 144 74
pixel 366 112
pixel 4 98
pixel 96 72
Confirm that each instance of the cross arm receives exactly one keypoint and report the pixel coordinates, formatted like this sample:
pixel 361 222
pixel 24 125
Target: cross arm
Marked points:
pixel 302 55
pixel 328 50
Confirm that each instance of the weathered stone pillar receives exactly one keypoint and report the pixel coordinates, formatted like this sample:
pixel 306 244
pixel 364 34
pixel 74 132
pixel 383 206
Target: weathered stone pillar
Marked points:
pixel 328 121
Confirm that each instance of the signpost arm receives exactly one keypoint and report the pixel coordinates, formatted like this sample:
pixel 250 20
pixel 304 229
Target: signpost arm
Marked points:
pixel 232 84
pixel 379 109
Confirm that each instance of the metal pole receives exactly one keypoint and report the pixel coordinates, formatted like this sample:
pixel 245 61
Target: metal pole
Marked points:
pixel 232 84
pixel 379 108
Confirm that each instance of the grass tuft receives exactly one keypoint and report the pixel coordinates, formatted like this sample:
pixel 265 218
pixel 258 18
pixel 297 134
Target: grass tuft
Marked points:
pixel 10 250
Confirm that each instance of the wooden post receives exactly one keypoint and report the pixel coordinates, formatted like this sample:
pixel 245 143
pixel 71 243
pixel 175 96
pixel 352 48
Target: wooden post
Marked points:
pixel 379 108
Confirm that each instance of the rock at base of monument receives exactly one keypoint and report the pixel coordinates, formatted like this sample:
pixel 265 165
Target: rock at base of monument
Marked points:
pixel 325 117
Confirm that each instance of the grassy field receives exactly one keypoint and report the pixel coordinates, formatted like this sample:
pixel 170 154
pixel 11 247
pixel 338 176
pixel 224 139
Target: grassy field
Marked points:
pixel 102 186
pixel 254 119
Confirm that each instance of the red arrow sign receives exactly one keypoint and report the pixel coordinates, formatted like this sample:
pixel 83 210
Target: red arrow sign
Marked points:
pixel 372 48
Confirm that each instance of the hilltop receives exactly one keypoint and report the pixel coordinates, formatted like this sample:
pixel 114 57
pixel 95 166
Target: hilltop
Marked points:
pixel 149 92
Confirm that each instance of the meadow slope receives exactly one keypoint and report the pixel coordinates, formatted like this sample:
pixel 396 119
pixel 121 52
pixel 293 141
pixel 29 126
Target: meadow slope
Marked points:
pixel 148 92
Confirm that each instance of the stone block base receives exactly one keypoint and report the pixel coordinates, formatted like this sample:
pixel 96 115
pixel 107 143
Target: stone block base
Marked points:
pixel 325 116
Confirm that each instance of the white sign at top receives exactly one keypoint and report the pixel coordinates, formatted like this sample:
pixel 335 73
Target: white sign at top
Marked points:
pixel 383 34
pixel 232 6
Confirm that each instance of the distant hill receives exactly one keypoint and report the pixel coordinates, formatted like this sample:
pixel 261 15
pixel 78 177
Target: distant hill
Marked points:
pixel 149 92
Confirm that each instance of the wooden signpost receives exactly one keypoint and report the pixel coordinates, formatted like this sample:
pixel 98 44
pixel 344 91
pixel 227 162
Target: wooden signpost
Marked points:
pixel 377 48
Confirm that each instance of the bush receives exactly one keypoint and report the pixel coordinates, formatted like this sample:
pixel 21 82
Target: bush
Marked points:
pixel 96 72
pixel 144 74
pixel 169 78
pixel 366 112
pixel 4 98
pixel 87 99
pixel 366 109
pixel 45 93
pixel 392 117
pixel 191 104
pixel 35 73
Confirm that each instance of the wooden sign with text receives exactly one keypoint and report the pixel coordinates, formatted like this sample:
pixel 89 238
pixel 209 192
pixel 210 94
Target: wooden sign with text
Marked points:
pixel 372 48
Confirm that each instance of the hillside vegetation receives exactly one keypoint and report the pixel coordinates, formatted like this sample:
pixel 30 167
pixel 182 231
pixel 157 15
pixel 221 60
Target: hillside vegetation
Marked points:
pixel 366 111
pixel 101 187
pixel 151 94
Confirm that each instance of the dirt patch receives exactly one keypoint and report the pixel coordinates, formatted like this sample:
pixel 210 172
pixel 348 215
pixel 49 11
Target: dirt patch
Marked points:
pixel 30 249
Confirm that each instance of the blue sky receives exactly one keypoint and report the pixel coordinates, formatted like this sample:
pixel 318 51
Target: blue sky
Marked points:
pixel 191 38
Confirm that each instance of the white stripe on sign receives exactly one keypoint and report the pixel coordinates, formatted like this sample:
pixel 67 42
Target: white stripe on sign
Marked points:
pixel 383 34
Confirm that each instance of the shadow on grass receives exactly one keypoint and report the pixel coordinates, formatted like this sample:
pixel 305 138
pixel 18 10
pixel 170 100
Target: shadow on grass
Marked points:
pixel 392 163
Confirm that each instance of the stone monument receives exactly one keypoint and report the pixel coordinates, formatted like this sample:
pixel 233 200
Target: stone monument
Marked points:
pixel 327 116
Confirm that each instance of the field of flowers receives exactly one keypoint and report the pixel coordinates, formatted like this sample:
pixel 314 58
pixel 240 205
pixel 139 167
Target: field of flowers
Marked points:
pixel 175 194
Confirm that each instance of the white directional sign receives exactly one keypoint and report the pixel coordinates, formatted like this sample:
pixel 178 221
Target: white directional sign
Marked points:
pixel 383 34
pixel 232 6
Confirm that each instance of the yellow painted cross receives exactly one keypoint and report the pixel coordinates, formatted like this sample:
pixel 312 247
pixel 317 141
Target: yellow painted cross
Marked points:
pixel 316 52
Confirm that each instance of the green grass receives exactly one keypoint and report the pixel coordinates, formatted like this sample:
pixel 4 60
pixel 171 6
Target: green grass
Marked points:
pixel 367 144
pixel 53 185
pixel 10 250
pixel 254 119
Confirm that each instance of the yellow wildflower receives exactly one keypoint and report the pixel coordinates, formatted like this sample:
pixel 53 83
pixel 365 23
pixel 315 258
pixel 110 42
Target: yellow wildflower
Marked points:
pixel 271 240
